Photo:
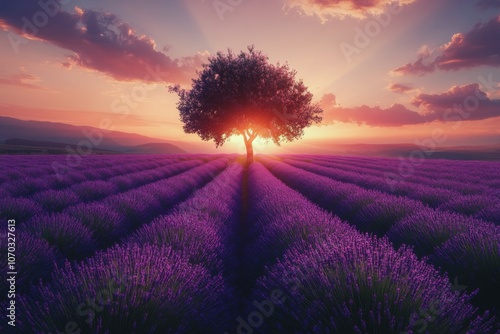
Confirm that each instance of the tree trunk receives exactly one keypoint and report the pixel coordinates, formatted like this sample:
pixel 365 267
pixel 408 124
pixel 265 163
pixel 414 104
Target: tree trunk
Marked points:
pixel 248 144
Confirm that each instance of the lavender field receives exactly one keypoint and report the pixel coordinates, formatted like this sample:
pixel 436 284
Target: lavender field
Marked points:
pixel 290 244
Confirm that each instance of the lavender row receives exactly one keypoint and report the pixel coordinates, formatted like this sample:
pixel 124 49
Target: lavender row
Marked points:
pixel 461 246
pixel 19 167
pixel 28 186
pixel 383 214
pixel 471 199
pixel 484 206
pixel 440 173
pixel 34 165
pixel 458 185
pixel 202 227
pixel 54 200
pixel 429 168
pixel 482 201
pixel 276 220
pixel 80 229
pixel 328 278
pixel 143 203
pixel 127 289
pixel 27 164
pixel 192 235
pixel 83 229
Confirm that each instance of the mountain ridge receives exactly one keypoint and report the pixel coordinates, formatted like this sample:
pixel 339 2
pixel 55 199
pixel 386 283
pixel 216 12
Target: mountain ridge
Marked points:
pixel 53 135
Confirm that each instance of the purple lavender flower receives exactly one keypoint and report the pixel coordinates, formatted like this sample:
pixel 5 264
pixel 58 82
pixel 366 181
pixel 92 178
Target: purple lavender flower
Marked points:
pixel 136 289
pixel 379 216
pixel 189 235
pixel 19 209
pixel 430 195
pixel 468 204
pixel 354 284
pixel 94 190
pixel 105 223
pixel 56 200
pixel 490 213
pixel 427 229
pixel 64 232
pixel 35 259
pixel 474 256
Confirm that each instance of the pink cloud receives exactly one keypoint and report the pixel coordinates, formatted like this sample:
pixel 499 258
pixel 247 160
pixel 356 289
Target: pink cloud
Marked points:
pixel 98 41
pixel 464 103
pixel 468 100
pixel 400 87
pixel 396 115
pixel 479 46
pixel 326 9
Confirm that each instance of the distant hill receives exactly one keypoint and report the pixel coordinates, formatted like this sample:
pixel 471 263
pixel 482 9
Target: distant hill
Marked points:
pixel 489 152
pixel 156 148
pixel 47 137
pixel 24 146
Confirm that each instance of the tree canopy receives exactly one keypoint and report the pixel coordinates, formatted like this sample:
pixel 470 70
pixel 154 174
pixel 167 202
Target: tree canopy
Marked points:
pixel 243 94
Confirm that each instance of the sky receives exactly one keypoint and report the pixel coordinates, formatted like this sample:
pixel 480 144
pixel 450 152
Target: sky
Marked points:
pixel 383 71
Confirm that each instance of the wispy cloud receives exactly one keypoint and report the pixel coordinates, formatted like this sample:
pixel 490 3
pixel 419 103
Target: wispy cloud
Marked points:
pixel 400 87
pixel 22 79
pixel 73 117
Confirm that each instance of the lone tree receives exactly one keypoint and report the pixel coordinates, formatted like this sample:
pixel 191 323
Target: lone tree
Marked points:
pixel 246 95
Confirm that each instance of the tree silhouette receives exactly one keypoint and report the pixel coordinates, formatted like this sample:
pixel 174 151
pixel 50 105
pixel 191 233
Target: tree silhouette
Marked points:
pixel 243 94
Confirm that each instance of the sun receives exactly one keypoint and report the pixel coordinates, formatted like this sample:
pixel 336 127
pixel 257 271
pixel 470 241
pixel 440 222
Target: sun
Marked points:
pixel 262 146
pixel 259 145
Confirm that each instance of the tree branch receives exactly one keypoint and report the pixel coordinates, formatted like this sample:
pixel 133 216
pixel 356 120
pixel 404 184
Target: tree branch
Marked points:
pixel 251 135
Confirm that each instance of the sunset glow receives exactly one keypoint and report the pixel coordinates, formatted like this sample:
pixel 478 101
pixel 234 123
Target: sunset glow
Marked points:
pixel 382 73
